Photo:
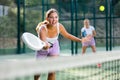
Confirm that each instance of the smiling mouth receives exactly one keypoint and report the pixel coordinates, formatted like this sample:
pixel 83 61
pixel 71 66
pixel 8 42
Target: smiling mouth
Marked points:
pixel 54 22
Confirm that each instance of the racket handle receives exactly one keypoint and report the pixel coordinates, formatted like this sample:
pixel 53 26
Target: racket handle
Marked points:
pixel 51 44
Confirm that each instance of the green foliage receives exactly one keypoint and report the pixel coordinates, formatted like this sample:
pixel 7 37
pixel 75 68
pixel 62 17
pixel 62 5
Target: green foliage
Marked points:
pixel 7 27
pixel 117 9
pixel 32 2
pixel 33 17
pixel 6 2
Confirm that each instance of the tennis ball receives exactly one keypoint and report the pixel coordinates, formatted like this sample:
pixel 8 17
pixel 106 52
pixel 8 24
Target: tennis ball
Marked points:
pixel 101 8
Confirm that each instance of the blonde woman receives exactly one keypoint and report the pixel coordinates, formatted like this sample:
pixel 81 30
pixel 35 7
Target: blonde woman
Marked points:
pixel 48 31
pixel 86 31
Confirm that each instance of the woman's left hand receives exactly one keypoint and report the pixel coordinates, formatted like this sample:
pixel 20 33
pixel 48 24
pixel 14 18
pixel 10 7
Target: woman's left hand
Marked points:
pixel 87 38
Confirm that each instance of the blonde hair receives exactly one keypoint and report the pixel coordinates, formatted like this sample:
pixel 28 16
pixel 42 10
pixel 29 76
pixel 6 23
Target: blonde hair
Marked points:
pixel 45 22
pixel 52 10
pixel 86 20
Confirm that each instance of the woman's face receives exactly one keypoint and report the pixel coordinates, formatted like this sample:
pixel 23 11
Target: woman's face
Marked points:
pixel 86 23
pixel 53 18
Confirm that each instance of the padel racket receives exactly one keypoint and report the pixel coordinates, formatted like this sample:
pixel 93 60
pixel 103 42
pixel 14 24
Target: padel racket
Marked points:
pixel 32 41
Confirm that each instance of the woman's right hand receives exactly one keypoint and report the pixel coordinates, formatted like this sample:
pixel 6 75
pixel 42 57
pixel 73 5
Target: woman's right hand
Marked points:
pixel 47 46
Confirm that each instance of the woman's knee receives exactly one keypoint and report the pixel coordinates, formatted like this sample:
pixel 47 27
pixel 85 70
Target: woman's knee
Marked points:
pixel 94 49
pixel 36 77
pixel 52 73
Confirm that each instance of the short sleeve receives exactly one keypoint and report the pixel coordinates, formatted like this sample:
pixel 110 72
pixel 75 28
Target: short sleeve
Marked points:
pixel 92 28
pixel 82 29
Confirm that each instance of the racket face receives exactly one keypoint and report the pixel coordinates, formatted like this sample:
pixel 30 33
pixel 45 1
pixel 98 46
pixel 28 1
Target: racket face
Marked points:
pixel 32 41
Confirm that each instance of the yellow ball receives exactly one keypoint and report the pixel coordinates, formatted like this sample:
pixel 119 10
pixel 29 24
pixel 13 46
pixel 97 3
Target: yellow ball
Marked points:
pixel 101 8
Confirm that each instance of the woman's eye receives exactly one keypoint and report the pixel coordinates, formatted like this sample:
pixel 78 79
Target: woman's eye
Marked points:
pixel 53 17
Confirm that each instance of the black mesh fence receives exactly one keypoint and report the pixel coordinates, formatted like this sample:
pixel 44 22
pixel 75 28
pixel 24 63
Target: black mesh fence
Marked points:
pixel 18 16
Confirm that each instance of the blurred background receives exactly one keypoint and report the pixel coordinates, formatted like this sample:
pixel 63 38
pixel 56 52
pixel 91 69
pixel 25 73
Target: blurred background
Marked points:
pixel 18 16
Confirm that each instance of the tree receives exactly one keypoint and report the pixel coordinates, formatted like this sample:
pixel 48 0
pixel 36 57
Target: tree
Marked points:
pixel 6 2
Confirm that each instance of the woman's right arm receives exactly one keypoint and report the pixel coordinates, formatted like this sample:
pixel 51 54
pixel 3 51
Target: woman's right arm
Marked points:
pixel 42 35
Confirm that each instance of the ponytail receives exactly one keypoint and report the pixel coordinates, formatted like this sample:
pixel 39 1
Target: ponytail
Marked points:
pixel 45 22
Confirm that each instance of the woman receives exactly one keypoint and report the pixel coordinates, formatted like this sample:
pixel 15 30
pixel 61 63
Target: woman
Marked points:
pixel 86 31
pixel 48 31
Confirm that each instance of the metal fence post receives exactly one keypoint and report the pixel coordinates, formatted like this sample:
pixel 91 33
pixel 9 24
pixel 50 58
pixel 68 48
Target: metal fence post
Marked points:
pixel 18 27
pixel 72 25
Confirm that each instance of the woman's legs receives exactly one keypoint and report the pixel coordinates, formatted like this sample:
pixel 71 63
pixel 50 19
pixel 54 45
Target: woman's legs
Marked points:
pixel 93 48
pixel 51 76
pixel 84 49
pixel 36 77
pixel 52 52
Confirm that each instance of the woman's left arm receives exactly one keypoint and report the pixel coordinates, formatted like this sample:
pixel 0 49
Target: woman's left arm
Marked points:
pixel 94 33
pixel 67 35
